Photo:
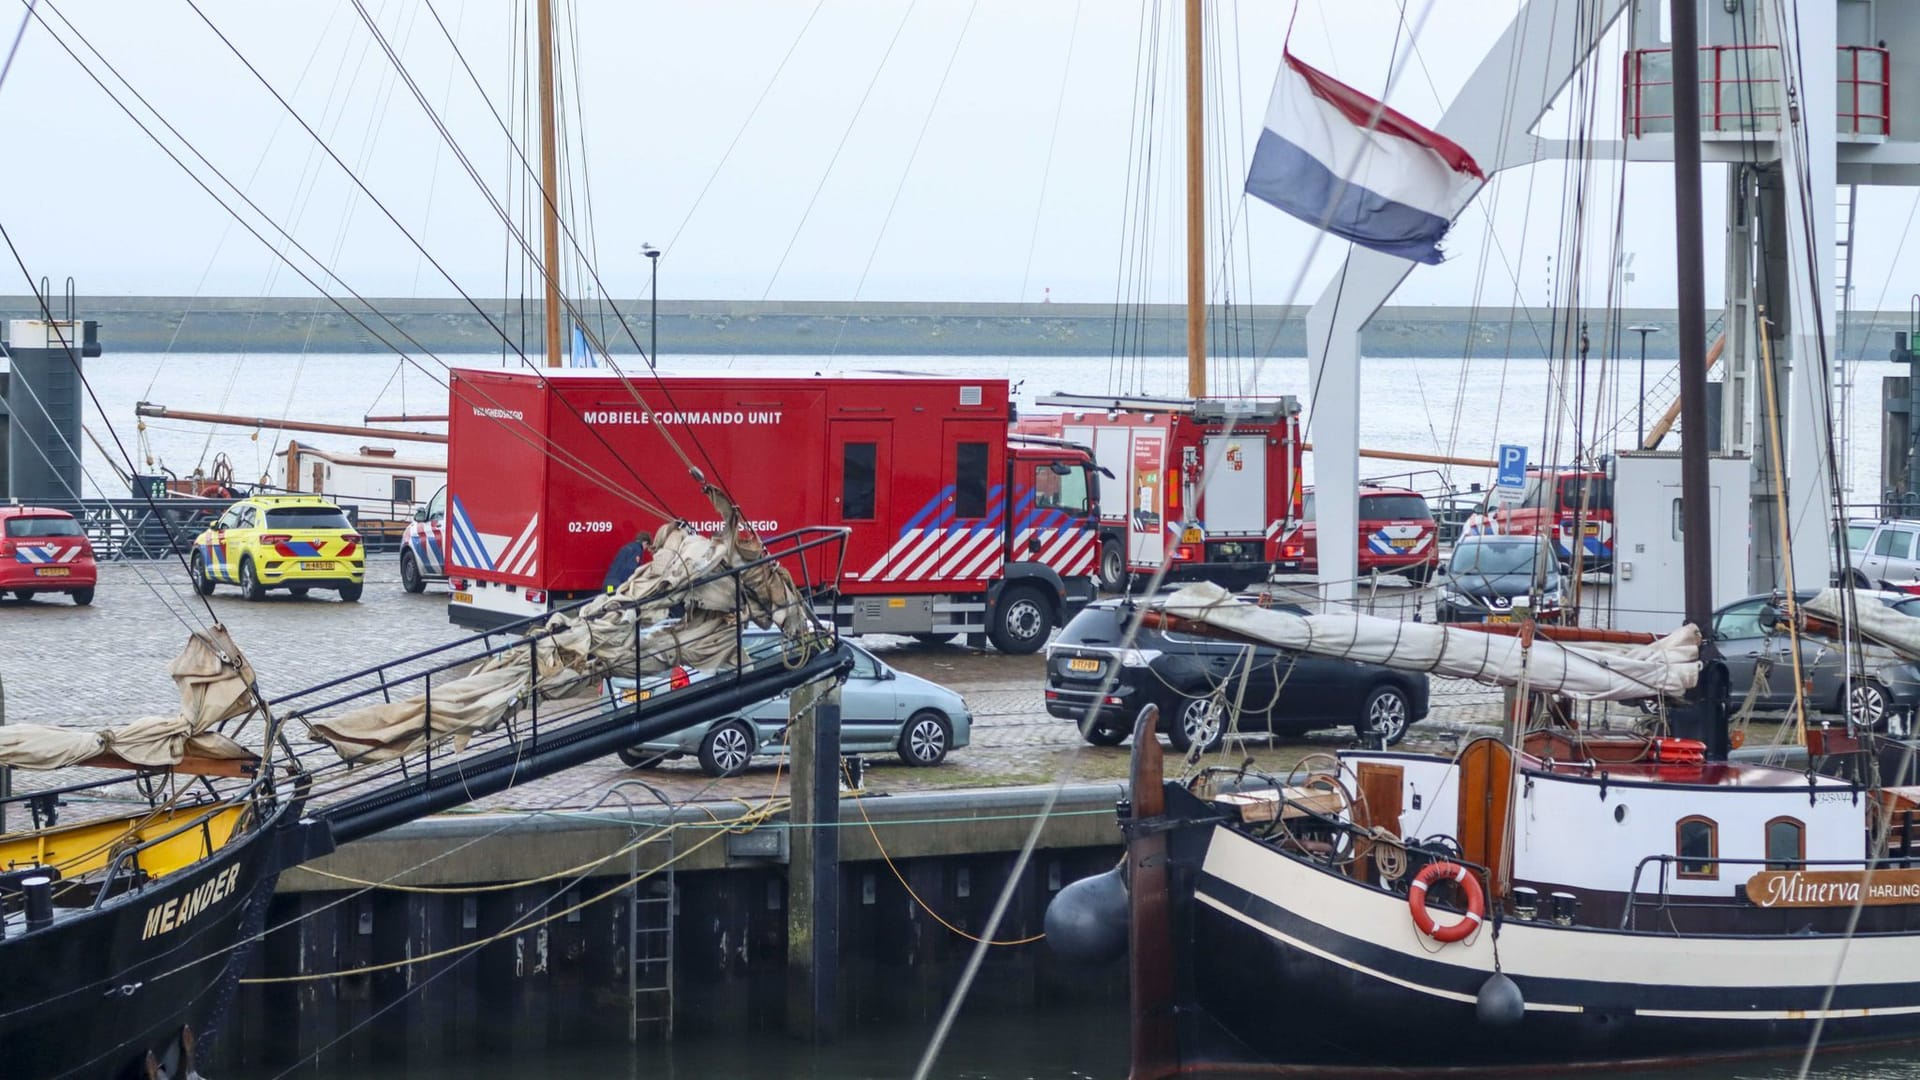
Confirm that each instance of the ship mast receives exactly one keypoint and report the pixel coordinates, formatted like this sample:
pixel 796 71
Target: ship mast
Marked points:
pixel 1696 546
pixel 1196 210
pixel 549 207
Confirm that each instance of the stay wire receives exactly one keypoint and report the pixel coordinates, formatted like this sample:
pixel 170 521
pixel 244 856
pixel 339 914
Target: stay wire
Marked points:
pixel 406 77
pixel 73 358
pixel 913 155
pixel 845 134
pixel 712 474
pixel 77 496
pixel 552 450
pixel 1053 141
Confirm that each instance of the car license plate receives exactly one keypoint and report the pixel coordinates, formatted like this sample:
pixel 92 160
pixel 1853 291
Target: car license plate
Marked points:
pixel 1402 545
pixel 53 571
pixel 1191 536
pixel 462 597
pixel 629 696
pixel 1082 663
pixel 1592 528
pixel 321 565
pixel 1500 618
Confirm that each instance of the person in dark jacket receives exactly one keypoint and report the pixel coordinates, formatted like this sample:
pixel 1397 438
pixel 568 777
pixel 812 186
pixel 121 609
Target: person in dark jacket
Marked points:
pixel 630 558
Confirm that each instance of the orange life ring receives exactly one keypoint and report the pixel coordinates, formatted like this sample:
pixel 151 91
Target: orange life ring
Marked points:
pixel 1470 885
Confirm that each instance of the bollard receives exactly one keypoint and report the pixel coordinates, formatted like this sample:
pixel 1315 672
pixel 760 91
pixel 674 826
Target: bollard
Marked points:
pixel 39 894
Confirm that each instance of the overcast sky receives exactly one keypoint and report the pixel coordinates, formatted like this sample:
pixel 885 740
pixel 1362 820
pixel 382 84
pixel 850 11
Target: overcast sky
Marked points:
pixel 938 150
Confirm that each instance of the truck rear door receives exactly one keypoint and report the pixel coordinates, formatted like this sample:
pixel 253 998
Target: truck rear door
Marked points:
pixel 1235 482
pixel 860 461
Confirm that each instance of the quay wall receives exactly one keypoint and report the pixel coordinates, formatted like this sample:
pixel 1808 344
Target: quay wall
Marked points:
pixel 901 328
pixel 563 984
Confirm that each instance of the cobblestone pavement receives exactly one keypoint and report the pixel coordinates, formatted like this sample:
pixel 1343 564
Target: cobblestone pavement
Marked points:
pixel 106 664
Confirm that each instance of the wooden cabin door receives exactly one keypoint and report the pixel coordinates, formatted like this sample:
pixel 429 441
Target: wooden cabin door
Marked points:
pixel 1486 803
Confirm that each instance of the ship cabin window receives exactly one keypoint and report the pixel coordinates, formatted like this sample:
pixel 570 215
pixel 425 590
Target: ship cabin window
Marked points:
pixel 970 480
pixel 856 481
pixel 403 489
pixel 1786 843
pixel 1697 843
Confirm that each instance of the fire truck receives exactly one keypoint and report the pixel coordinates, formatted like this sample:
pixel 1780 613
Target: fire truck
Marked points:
pixel 955 525
pixel 1209 486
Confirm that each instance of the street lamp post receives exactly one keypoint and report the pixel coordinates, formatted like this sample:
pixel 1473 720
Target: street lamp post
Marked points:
pixel 653 304
pixel 1640 424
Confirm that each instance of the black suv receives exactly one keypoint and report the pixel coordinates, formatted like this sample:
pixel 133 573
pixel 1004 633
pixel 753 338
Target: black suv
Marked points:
pixel 1285 693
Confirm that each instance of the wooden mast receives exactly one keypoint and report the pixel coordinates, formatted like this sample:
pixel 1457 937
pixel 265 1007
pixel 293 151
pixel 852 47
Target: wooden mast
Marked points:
pixel 1690 282
pixel 549 207
pixel 1196 210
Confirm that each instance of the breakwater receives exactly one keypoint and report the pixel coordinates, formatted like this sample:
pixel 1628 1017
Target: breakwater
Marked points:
pixel 136 324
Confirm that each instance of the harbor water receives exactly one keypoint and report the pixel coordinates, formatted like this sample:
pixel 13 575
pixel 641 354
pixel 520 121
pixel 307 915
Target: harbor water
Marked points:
pixel 1445 406
pixel 1063 1043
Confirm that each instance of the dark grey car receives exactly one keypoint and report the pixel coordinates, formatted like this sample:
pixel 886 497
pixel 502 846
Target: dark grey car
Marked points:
pixel 1193 680
pixel 1485 574
pixel 1880 691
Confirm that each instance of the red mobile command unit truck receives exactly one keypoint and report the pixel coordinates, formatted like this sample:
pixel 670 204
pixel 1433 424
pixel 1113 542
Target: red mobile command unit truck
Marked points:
pixel 1214 503
pixel 956 527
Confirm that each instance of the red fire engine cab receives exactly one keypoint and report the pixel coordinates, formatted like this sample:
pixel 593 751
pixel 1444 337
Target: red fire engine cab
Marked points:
pixel 1207 487
pixel 955 526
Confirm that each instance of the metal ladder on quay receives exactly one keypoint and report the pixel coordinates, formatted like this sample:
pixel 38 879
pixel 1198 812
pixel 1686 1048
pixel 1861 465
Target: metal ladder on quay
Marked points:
pixel 651 906
pixel 652 903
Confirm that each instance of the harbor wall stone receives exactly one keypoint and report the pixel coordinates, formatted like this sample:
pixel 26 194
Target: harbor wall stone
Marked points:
pixel 904 328
pixel 554 984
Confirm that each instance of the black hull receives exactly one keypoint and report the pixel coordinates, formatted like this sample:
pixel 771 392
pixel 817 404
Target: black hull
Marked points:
pixel 1319 974
pixel 90 995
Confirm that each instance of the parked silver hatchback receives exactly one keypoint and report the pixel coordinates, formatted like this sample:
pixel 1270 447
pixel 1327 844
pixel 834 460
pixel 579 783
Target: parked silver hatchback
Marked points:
pixel 882 709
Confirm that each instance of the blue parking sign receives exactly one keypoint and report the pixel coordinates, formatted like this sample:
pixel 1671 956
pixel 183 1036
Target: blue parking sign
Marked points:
pixel 1513 467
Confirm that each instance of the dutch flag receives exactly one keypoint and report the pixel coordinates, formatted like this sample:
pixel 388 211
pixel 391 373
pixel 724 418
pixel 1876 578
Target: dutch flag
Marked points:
pixel 1340 160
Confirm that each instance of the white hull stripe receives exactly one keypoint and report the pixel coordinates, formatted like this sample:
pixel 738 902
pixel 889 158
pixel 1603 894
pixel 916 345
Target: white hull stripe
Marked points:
pixel 1449 995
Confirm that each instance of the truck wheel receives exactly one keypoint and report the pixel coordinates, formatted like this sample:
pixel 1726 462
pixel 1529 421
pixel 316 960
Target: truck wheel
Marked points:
pixel 1113 565
pixel 250 586
pixel 410 578
pixel 1021 621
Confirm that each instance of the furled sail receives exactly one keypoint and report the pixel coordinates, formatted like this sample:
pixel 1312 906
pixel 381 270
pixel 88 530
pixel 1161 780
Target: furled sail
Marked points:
pixel 215 684
pixel 627 632
pixel 1895 634
pixel 1587 672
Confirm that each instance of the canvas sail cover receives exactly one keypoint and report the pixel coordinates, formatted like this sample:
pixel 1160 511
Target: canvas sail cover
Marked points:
pixel 215 684
pixel 1587 671
pixel 624 633
pixel 1895 634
